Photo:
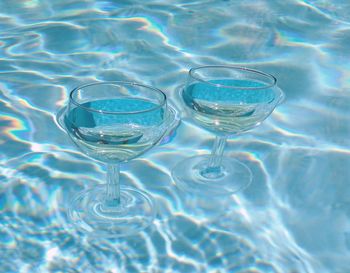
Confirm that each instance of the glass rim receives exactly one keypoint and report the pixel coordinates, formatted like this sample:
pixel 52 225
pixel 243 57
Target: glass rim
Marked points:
pixel 238 68
pixel 120 83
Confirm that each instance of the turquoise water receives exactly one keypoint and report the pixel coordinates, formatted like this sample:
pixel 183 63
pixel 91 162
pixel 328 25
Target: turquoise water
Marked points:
pixel 294 217
pixel 231 92
pixel 115 111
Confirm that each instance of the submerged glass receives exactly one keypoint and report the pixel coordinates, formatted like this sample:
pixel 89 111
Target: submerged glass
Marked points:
pixel 114 122
pixel 226 100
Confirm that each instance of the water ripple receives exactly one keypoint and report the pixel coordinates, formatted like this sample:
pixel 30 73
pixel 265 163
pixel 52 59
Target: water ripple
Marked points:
pixel 293 218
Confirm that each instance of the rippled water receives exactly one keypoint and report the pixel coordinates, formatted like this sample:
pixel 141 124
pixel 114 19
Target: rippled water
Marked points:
pixel 295 216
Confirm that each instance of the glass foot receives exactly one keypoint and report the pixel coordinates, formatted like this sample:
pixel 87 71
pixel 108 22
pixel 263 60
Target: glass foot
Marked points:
pixel 89 214
pixel 193 175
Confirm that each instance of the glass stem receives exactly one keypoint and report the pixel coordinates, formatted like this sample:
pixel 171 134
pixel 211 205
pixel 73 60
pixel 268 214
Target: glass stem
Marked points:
pixel 113 186
pixel 217 152
pixel 213 169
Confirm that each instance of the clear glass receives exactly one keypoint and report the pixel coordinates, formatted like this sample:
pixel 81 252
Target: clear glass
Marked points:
pixel 226 100
pixel 114 122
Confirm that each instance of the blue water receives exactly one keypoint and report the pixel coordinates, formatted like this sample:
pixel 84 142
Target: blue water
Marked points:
pixel 116 111
pixel 231 92
pixel 294 217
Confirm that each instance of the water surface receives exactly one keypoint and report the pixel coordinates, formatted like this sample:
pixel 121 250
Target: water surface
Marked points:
pixel 295 216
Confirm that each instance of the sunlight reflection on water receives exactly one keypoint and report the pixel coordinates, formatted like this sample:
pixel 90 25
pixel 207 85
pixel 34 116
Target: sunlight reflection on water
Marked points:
pixel 295 215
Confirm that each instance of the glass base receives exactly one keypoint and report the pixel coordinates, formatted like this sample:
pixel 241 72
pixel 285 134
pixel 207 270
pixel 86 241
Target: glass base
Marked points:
pixel 89 213
pixel 193 175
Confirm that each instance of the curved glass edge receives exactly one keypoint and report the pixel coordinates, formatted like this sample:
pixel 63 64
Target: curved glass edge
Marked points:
pixel 59 118
pixel 170 124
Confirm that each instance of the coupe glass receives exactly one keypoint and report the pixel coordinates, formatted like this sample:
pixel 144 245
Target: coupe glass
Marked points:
pixel 114 122
pixel 226 100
